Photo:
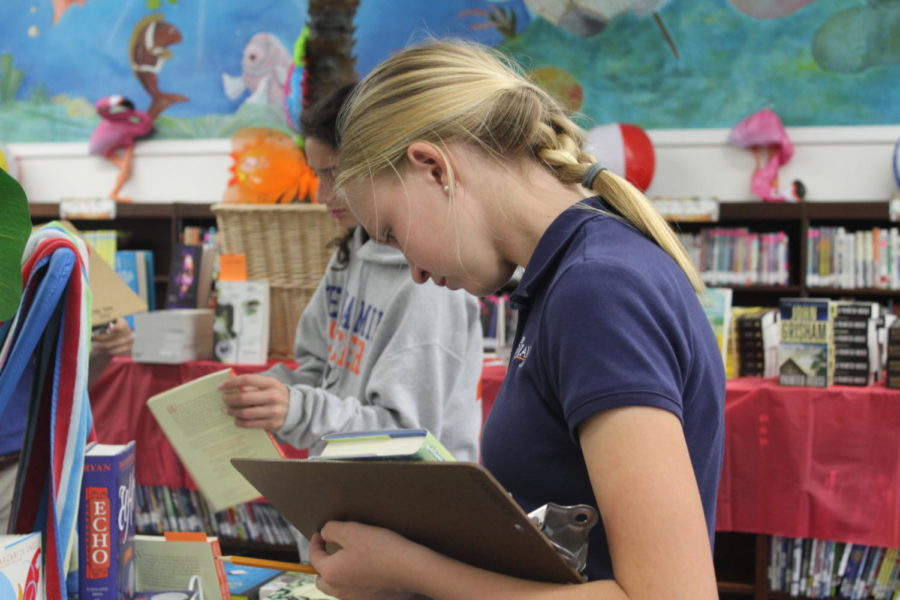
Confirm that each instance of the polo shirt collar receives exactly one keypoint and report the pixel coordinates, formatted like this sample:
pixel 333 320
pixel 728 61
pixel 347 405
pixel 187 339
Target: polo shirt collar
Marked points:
pixel 552 246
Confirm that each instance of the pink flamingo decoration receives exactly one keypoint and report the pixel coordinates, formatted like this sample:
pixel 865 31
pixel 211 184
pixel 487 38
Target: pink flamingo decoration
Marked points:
pixel 763 131
pixel 120 125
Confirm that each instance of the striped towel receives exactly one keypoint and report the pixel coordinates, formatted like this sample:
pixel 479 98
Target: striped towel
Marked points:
pixel 52 330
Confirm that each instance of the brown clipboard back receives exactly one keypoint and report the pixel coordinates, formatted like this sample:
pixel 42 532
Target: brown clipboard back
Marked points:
pixel 455 508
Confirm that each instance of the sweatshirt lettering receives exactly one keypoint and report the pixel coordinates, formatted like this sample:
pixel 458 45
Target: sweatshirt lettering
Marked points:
pixel 350 327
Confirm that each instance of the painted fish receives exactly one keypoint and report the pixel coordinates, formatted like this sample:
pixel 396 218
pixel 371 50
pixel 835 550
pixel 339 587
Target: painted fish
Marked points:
pixel 264 69
pixel 148 51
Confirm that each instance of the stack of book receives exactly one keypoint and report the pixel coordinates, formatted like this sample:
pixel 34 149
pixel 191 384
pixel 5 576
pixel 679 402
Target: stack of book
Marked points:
pixel 757 335
pixel 806 344
pixel 173 336
pixel 857 358
pixel 893 355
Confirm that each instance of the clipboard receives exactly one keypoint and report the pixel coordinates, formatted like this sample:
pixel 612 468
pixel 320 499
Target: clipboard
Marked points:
pixel 455 508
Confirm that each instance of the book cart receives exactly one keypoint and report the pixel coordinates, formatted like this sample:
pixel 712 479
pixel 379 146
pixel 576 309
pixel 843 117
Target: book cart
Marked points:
pixel 742 545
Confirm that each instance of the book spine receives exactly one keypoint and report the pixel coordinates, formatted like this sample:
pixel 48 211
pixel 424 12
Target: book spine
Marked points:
pixel 220 569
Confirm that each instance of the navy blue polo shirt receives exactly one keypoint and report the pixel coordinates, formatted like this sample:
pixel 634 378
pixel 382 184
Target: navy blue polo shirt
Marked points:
pixel 607 319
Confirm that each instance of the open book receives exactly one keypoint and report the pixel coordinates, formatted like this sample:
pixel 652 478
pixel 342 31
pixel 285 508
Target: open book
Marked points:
pixel 169 562
pixel 206 439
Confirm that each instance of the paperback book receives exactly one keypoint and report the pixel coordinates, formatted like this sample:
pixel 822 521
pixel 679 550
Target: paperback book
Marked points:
pixel 394 444
pixel 206 439
pixel 21 566
pixel 190 277
pixel 716 302
pixel 170 561
pixel 806 347
pixel 241 327
pixel 135 267
pixel 244 581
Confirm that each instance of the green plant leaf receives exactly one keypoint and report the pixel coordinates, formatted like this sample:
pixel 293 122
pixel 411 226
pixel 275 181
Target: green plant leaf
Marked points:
pixel 15 226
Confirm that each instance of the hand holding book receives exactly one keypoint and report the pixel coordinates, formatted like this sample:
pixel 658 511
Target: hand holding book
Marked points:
pixel 256 401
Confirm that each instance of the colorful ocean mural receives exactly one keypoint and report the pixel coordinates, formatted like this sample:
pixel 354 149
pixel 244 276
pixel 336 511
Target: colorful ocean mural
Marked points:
pixel 205 68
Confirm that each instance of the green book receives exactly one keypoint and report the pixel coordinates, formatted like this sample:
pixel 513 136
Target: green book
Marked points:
pixel 392 444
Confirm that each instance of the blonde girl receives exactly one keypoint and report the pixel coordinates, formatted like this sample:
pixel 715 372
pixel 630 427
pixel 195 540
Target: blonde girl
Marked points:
pixel 614 392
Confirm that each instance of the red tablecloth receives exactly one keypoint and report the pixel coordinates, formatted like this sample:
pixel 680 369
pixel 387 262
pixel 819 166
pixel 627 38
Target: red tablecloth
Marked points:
pixel 119 403
pixel 799 462
pixel 808 462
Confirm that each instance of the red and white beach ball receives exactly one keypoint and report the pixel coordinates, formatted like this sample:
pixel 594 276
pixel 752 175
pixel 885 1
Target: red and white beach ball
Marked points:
pixel 626 150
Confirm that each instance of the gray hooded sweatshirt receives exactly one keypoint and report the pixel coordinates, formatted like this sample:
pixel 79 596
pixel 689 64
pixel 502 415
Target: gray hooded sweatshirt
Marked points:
pixel 378 351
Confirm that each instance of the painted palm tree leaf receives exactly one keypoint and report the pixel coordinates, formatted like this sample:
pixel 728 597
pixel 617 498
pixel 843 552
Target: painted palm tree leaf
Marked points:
pixel 15 226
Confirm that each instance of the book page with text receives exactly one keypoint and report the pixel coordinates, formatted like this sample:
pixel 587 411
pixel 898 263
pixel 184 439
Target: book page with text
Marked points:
pixel 206 439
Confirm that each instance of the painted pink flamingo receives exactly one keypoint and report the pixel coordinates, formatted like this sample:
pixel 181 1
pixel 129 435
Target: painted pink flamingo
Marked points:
pixel 763 131
pixel 120 125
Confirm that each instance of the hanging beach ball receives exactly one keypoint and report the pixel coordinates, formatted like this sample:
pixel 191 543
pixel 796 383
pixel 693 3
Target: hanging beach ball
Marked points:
pixel 626 150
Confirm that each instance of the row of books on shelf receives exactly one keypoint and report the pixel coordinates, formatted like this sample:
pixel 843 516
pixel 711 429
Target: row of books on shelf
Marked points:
pixel 807 341
pixel 161 508
pixel 812 568
pixel 738 256
pixel 853 259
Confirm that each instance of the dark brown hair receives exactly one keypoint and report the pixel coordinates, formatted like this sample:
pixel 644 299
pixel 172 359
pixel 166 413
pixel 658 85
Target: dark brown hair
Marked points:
pixel 319 121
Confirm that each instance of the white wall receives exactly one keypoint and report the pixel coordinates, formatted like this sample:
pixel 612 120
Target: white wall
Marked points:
pixel 835 163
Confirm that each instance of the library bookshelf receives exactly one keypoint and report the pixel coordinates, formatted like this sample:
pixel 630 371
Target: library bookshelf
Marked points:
pixel 157 227
pixel 142 226
pixel 796 220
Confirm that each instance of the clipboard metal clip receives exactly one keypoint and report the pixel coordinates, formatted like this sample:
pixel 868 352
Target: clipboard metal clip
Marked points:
pixel 567 528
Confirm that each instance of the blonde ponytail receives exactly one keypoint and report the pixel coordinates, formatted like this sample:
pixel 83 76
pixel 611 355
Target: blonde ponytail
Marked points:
pixel 634 207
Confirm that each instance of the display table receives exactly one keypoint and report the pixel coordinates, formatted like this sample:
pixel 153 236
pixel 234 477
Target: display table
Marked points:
pixel 812 462
pixel 799 462
pixel 119 403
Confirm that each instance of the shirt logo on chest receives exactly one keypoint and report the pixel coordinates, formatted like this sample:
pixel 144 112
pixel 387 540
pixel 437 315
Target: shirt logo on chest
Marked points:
pixel 522 352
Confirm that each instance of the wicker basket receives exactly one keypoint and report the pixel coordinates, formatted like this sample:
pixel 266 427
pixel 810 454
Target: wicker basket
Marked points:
pixel 285 244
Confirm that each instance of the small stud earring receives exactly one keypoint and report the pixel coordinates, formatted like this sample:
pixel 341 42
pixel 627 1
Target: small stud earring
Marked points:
pixel 446 189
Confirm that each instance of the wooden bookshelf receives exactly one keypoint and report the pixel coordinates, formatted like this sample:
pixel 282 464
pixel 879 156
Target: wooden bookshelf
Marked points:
pixel 143 226
pixel 796 219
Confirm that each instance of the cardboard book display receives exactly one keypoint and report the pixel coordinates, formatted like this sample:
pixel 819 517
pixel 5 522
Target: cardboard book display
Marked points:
pixel 455 508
